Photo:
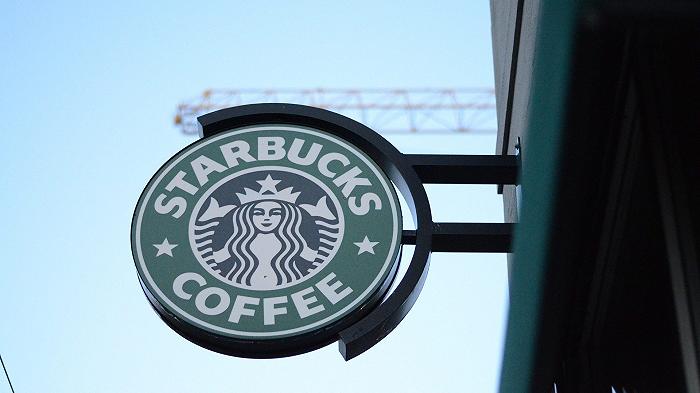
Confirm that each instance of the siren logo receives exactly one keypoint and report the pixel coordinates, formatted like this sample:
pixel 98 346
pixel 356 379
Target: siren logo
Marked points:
pixel 266 238
pixel 266 232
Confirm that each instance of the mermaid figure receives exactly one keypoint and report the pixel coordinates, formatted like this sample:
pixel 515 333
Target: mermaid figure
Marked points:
pixel 266 249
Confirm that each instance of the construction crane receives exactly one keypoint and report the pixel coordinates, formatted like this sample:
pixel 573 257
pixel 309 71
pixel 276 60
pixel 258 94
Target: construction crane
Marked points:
pixel 429 110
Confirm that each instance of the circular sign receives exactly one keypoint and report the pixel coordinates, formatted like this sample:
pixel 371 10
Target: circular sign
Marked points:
pixel 266 240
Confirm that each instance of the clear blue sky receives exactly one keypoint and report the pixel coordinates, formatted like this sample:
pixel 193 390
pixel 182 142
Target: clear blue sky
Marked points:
pixel 87 95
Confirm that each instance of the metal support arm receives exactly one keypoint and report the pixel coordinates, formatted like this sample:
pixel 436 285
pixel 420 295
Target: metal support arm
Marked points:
pixel 465 169
pixel 467 237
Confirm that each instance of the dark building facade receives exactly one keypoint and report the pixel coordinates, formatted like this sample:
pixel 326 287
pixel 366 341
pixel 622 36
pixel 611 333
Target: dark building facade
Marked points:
pixel 600 99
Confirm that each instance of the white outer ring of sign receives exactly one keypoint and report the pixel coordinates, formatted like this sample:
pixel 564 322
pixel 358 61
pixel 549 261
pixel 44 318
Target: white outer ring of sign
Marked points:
pixel 239 333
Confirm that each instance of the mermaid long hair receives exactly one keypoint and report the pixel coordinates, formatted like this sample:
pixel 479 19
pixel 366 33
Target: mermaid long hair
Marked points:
pixel 284 263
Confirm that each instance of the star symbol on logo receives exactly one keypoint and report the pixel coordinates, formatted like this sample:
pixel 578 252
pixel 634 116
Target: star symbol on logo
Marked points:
pixel 269 184
pixel 366 246
pixel 165 248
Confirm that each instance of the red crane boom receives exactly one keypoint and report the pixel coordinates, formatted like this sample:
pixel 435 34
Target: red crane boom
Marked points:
pixel 429 110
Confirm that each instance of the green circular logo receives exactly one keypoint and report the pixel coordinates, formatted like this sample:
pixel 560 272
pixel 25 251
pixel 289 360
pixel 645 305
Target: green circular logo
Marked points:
pixel 266 232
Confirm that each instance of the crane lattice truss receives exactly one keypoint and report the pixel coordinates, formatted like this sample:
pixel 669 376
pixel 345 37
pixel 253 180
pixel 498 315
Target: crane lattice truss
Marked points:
pixel 461 110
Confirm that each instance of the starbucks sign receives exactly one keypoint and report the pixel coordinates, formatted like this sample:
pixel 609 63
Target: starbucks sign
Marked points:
pixel 266 240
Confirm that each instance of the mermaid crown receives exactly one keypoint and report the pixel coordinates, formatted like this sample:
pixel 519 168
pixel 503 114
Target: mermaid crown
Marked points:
pixel 268 191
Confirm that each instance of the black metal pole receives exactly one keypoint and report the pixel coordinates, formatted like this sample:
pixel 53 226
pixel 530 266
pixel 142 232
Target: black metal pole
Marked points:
pixel 464 169
pixel 467 237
